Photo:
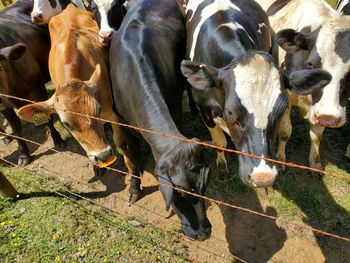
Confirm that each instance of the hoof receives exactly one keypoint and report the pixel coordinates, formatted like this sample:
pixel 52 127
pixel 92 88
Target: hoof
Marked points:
pixel 133 198
pixel 98 172
pixel 24 160
pixel 222 165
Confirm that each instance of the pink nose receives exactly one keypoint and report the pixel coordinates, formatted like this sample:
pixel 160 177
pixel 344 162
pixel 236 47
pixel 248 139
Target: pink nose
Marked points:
pixel 327 120
pixel 262 179
pixel 37 18
pixel 105 36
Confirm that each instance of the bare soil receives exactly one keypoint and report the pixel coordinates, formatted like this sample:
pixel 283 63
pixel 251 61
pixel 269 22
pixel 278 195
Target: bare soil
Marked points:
pixel 251 238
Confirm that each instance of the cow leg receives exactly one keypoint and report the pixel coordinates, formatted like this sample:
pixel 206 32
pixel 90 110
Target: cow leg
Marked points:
pixel 284 133
pixel 56 137
pixel 219 139
pixel 316 136
pixel 16 126
pixel 6 140
pixel 132 159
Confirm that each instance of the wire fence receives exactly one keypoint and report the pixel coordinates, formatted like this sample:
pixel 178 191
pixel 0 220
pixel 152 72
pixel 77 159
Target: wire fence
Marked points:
pixel 218 202
pixel 219 148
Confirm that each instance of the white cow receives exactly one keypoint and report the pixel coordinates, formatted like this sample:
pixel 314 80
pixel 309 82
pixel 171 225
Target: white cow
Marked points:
pixel 322 42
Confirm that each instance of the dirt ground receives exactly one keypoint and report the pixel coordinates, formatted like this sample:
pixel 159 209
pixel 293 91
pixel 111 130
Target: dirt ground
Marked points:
pixel 252 238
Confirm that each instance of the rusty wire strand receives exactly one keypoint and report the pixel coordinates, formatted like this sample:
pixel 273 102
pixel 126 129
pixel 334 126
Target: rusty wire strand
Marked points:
pixel 290 164
pixel 218 202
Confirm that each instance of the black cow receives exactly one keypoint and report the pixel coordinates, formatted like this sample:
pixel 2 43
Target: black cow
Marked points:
pixel 145 56
pixel 24 50
pixel 236 84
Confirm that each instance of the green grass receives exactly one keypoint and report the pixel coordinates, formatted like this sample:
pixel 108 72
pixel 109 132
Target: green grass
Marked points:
pixel 50 228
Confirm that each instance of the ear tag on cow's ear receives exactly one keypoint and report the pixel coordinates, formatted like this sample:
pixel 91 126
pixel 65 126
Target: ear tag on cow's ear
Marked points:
pixel 40 118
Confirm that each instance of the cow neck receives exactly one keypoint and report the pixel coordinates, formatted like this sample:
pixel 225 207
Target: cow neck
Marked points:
pixel 71 55
pixel 155 116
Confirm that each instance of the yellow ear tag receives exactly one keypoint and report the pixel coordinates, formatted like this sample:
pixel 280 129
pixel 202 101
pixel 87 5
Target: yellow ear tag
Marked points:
pixel 40 118
pixel 108 162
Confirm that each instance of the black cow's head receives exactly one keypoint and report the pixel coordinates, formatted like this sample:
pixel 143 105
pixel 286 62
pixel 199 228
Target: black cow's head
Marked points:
pixel 184 167
pixel 247 99
pixel 326 48
pixel 109 15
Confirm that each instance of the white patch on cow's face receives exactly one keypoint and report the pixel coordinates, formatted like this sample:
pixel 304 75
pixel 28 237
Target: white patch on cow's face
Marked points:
pixel 103 7
pixel 258 87
pixel 329 104
pixel 44 8
pixel 208 11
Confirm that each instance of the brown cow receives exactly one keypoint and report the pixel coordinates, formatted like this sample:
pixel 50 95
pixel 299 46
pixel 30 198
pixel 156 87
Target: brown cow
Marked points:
pixel 77 55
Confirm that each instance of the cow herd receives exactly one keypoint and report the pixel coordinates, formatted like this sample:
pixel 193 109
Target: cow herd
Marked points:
pixel 244 64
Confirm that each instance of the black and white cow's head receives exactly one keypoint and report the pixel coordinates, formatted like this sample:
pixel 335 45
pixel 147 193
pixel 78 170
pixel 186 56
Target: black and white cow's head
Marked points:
pixel 109 15
pixel 326 48
pixel 44 10
pixel 184 167
pixel 246 99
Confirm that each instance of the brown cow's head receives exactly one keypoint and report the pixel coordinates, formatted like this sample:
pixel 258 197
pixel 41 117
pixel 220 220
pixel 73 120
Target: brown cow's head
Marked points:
pixel 76 96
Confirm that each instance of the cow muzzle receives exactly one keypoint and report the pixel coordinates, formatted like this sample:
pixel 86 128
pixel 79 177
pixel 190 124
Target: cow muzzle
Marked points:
pixel 105 37
pixel 37 18
pixel 200 235
pixel 262 179
pixel 328 121
pixel 103 158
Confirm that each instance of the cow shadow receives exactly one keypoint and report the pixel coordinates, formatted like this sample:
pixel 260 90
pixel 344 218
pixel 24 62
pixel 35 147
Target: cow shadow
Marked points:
pixel 249 237
pixel 310 193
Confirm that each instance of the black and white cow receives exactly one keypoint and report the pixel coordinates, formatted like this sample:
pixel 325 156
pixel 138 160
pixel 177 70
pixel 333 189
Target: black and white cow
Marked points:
pixel 314 35
pixel 24 51
pixel 108 13
pixel 145 57
pixel 343 6
pixel 237 86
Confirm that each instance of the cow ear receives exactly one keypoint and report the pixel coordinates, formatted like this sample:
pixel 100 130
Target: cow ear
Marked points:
pixel 292 41
pixel 37 113
pixel 200 76
pixel 14 52
pixel 95 77
pixel 165 187
pixel 305 82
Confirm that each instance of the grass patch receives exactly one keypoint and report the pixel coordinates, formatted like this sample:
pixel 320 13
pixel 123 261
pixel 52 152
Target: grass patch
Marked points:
pixel 49 228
